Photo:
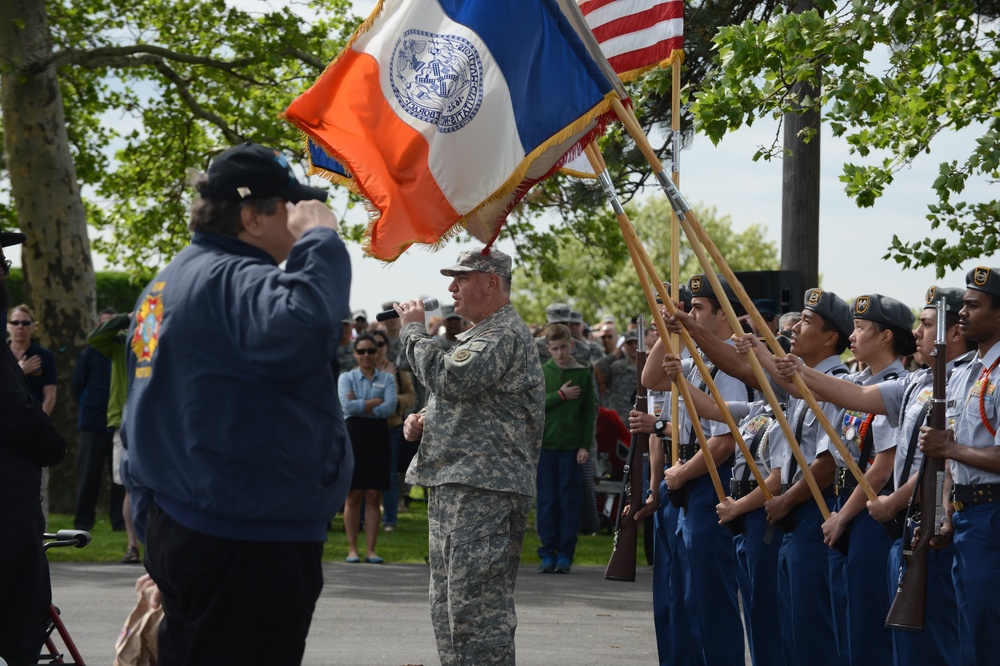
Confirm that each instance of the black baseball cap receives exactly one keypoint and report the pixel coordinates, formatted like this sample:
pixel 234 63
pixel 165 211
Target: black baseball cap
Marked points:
pixel 253 171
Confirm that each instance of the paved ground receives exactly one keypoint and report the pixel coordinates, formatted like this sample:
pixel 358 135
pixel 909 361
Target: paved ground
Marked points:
pixel 371 614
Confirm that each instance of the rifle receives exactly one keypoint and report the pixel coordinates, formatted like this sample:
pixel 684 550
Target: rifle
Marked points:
pixel 621 566
pixel 909 606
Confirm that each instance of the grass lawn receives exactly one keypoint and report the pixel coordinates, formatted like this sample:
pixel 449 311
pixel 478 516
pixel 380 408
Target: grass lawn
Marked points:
pixel 408 543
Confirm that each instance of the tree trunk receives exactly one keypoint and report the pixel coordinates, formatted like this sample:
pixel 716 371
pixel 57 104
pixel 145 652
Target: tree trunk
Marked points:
pixel 800 189
pixel 56 256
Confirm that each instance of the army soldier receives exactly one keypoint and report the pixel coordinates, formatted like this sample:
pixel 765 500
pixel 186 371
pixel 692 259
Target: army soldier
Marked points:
pixel 616 377
pixel 481 435
pixel 971 444
pixel 560 313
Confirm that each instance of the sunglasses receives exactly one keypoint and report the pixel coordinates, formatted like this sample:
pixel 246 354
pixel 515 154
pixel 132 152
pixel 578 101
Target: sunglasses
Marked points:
pixel 21 322
pixel 366 350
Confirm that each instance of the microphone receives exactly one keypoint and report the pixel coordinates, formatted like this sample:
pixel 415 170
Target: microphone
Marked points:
pixel 429 304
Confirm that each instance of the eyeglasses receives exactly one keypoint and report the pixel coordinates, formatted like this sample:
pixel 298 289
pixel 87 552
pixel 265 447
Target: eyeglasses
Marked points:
pixel 21 322
pixel 366 350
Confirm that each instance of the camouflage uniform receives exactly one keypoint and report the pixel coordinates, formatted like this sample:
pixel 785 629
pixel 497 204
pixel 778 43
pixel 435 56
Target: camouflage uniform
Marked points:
pixel 478 457
pixel 345 357
pixel 618 378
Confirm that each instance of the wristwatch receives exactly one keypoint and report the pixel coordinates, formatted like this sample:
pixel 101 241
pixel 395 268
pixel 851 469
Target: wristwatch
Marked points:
pixel 659 427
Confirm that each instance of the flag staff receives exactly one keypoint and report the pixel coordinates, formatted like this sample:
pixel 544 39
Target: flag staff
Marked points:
pixel 675 229
pixel 689 222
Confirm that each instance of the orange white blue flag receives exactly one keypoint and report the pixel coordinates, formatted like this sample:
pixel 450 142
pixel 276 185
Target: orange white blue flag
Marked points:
pixel 637 35
pixel 445 112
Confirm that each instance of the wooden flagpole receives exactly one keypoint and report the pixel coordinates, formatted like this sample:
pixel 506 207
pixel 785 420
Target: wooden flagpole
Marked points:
pixel 675 229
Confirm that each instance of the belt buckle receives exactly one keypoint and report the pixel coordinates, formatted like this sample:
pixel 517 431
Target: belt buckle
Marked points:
pixel 958 504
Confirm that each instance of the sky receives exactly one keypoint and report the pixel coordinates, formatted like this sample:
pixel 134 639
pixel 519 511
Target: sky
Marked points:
pixel 852 240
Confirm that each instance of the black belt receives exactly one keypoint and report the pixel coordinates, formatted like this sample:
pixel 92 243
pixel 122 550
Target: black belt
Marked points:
pixel 738 489
pixel 981 493
pixel 827 492
pixel 844 482
pixel 687 451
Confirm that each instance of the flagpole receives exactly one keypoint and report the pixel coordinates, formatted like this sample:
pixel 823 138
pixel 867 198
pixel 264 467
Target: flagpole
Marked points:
pixel 644 270
pixel 675 228
pixel 688 221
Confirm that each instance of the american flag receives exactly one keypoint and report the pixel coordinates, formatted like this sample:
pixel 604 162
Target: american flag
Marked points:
pixel 636 35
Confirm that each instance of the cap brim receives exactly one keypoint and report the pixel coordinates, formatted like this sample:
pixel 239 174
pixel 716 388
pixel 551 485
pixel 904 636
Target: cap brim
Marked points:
pixel 296 192
pixel 8 238
pixel 451 271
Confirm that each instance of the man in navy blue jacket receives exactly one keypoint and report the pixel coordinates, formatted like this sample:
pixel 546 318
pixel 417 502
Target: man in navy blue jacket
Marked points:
pixel 237 451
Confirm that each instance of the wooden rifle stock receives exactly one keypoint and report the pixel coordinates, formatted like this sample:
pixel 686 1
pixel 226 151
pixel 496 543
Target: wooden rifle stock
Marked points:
pixel 908 608
pixel 621 566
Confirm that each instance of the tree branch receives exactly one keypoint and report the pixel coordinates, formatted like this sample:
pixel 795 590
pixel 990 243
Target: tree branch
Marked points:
pixel 197 109
pixel 100 56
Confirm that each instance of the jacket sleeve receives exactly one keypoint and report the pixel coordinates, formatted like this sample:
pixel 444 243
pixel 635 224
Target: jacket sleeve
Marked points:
pixel 105 337
pixel 26 429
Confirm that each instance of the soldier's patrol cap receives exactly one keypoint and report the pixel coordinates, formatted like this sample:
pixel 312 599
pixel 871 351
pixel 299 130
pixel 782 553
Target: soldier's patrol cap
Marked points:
pixel 448 312
pixel 493 261
pixel 558 313
pixel 953 297
pixel 831 308
pixel 631 335
pixel 883 310
pixel 360 314
pixel 575 317
pixel 982 278
pixel 608 319
pixel 701 287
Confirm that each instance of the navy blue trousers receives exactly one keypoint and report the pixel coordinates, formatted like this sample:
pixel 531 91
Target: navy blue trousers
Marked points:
pixel 938 643
pixel 976 574
pixel 806 623
pixel 757 577
pixel 857 578
pixel 675 635
pixel 559 498
pixel 711 596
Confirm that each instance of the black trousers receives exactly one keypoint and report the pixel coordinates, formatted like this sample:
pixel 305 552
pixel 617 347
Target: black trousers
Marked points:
pixel 228 601
pixel 92 460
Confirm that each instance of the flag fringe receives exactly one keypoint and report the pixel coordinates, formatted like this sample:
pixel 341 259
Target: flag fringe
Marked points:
pixel 633 74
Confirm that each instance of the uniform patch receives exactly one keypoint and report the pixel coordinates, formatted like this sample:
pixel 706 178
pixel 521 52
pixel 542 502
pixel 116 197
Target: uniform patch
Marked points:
pixel 461 356
pixel 812 298
pixel 696 284
pixel 148 319
pixel 929 300
pixel 861 304
pixel 981 276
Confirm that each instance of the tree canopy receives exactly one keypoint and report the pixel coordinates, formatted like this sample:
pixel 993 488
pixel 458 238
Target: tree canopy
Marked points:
pixel 941 74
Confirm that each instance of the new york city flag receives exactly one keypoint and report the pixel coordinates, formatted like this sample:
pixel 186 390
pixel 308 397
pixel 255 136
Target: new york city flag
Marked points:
pixel 445 112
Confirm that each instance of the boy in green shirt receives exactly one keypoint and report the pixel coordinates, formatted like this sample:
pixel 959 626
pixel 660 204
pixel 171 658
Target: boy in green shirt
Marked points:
pixel 570 414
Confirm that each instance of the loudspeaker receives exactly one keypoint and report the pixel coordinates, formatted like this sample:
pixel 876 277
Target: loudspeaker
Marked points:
pixel 783 287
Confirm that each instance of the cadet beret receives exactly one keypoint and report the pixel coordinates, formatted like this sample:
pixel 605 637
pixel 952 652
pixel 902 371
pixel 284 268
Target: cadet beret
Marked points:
pixel 883 310
pixel 493 261
pixel 701 287
pixel 831 308
pixel 558 313
pixel 953 298
pixel 984 279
